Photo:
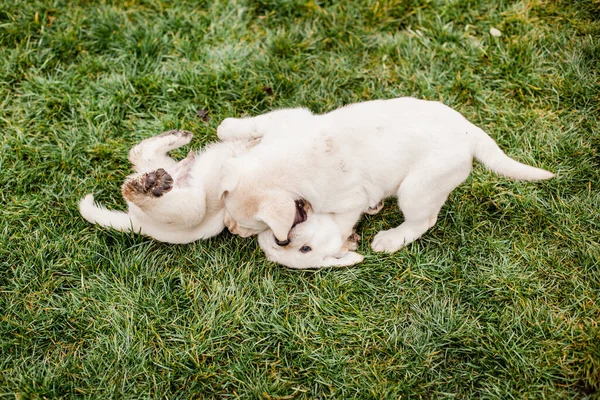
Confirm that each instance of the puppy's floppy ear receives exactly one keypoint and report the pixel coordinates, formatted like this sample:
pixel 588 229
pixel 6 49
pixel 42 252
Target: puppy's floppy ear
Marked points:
pixel 278 213
pixel 350 258
pixel 229 179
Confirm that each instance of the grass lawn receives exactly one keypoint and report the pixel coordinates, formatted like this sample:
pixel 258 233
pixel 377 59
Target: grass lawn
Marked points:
pixel 501 299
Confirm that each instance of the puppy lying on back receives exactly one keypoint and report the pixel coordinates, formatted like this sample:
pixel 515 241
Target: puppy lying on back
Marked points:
pixel 346 161
pixel 170 201
pixel 178 202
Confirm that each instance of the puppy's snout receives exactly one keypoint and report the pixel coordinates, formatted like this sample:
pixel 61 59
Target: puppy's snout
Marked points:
pixel 281 243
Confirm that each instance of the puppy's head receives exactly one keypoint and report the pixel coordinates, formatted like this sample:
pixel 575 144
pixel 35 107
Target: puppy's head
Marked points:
pixel 253 207
pixel 314 243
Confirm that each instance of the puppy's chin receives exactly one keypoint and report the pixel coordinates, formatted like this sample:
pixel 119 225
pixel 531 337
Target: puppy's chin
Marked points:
pixel 236 229
pixel 244 233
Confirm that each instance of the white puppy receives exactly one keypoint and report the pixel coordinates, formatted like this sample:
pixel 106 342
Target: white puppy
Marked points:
pixel 170 201
pixel 346 161
pixel 178 202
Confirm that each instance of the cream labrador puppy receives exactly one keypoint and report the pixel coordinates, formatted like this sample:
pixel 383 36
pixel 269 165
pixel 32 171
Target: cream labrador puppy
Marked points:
pixel 178 202
pixel 346 161
pixel 170 201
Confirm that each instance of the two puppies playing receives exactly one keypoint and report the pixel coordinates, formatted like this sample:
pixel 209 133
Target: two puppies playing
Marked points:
pixel 302 181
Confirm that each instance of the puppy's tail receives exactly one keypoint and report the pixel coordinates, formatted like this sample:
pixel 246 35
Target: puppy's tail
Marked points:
pixel 489 154
pixel 97 214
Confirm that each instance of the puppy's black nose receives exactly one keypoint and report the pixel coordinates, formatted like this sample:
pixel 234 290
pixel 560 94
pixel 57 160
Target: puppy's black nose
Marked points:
pixel 280 243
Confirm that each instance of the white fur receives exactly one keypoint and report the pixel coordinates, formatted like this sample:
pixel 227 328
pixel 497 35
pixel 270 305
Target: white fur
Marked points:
pixel 191 210
pixel 348 160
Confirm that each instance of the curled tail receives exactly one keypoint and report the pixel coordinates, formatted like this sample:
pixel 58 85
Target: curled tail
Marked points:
pixel 97 214
pixel 489 154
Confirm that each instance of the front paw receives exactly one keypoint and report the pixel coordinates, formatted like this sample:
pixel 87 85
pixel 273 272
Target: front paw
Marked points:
pixel 234 128
pixel 388 241
pixel 155 184
pixel 348 259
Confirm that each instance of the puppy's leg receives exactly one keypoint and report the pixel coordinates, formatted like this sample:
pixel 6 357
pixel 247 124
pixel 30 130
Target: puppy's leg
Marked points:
pixel 346 222
pixel 154 194
pixel 181 207
pixel 350 258
pixel 420 198
pixel 376 209
pixel 151 153
pixel 351 243
pixel 257 127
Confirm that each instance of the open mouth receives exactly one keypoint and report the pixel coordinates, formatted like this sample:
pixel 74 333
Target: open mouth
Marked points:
pixel 300 212
pixel 299 218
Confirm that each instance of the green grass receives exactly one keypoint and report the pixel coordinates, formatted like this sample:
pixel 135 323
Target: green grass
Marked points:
pixel 501 299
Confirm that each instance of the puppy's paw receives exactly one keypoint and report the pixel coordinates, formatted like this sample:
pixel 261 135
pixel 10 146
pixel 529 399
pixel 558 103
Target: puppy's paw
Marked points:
pixel 176 138
pixel 388 241
pixel 348 259
pixel 235 128
pixel 155 184
pixel 352 242
pixel 158 182
pixel 376 209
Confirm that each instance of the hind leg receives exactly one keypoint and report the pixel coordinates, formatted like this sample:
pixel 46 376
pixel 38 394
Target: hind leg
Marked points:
pixel 420 198
pixel 151 153
pixel 154 194
pixel 346 222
